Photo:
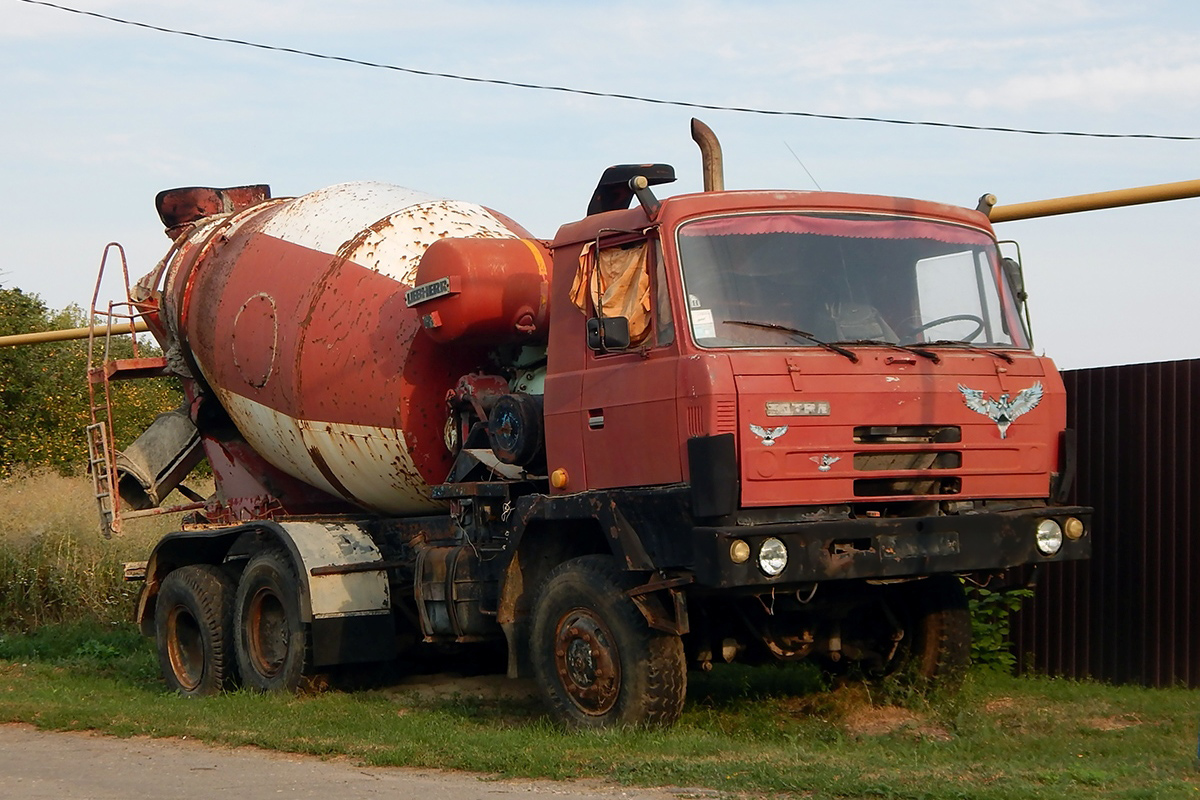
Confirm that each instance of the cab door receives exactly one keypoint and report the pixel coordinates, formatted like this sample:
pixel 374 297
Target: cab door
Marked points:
pixel 629 416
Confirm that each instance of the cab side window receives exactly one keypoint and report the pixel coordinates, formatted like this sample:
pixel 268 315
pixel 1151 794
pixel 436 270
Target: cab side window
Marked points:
pixel 616 282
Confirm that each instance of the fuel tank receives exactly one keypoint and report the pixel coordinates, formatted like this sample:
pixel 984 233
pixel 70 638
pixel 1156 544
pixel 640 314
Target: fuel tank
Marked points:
pixel 293 312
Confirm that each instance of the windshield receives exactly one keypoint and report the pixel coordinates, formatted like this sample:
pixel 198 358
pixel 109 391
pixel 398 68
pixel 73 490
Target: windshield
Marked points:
pixel 785 279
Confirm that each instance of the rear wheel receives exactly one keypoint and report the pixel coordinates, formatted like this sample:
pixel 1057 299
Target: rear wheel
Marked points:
pixel 193 623
pixel 596 660
pixel 270 638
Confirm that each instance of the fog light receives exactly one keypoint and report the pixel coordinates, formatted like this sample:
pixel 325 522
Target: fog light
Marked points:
pixel 1073 528
pixel 739 551
pixel 772 557
pixel 1049 537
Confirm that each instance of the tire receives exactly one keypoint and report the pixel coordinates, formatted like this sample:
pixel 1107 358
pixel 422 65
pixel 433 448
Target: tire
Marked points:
pixel 269 637
pixel 597 663
pixel 193 625
pixel 939 632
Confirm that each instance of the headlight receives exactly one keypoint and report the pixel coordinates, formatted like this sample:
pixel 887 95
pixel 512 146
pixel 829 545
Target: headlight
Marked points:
pixel 772 557
pixel 1049 537
pixel 1073 528
pixel 739 551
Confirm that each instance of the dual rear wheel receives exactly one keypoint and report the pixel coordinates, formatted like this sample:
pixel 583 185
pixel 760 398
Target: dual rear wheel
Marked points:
pixel 213 634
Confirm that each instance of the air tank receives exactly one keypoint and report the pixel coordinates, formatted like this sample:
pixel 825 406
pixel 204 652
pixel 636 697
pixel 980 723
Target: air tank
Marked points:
pixel 294 313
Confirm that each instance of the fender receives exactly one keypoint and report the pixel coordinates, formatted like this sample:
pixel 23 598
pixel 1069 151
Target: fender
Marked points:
pixel 638 527
pixel 343 582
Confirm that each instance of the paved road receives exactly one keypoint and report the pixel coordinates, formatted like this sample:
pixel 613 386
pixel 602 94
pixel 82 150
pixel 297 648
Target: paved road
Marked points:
pixel 38 765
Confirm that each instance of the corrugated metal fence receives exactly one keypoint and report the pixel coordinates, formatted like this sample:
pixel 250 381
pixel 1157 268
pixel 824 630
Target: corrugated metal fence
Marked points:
pixel 1130 614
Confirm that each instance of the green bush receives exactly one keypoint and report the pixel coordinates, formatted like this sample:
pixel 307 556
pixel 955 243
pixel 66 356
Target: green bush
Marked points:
pixel 991 625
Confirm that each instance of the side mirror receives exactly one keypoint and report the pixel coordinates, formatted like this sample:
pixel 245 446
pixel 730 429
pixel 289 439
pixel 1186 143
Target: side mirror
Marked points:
pixel 606 334
pixel 1012 270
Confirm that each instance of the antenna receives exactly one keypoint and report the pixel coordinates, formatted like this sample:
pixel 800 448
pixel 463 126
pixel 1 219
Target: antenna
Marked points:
pixel 801 163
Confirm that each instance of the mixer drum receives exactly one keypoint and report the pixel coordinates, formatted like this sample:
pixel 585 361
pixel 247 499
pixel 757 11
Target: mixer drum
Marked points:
pixel 294 313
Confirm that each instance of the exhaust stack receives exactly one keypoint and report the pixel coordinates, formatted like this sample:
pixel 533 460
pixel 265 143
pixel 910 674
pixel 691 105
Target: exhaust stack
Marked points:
pixel 710 154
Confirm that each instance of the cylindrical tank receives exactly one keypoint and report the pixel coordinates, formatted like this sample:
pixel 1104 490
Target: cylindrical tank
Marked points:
pixel 294 313
pixel 483 290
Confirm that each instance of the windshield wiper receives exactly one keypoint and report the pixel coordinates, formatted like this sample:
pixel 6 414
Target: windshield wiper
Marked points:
pixel 773 326
pixel 968 346
pixel 908 348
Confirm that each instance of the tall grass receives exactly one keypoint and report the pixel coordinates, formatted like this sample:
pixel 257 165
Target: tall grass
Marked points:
pixel 54 564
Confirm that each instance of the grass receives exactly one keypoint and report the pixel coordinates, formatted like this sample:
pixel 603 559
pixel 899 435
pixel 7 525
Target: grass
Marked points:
pixel 70 660
pixel 54 565
pixel 768 731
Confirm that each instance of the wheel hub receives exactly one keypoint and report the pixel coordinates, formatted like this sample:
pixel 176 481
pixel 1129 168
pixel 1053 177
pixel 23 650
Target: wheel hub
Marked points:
pixel 268 632
pixel 185 648
pixel 587 662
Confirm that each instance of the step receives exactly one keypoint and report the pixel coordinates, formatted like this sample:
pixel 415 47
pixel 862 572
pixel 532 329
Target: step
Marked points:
pixel 129 369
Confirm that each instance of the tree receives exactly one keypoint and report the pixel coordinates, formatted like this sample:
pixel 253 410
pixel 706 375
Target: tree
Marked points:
pixel 43 390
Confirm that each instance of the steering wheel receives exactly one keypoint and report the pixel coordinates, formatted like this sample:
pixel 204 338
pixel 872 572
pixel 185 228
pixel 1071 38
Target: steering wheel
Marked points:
pixel 953 318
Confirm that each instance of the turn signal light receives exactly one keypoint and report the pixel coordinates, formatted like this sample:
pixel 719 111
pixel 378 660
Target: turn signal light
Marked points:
pixel 739 551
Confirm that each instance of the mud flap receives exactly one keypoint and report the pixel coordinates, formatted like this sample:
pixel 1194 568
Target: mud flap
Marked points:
pixel 348 601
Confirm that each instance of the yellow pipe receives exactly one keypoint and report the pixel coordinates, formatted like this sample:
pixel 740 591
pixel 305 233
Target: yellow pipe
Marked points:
pixel 68 334
pixel 1091 202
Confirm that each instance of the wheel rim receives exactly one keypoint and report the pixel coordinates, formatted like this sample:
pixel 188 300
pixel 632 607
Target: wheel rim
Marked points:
pixel 267 632
pixel 185 648
pixel 587 662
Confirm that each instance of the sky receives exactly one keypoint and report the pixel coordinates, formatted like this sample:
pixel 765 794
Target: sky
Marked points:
pixel 97 117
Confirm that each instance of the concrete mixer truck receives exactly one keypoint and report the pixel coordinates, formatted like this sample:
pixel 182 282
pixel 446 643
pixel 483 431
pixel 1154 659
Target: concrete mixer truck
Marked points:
pixel 727 425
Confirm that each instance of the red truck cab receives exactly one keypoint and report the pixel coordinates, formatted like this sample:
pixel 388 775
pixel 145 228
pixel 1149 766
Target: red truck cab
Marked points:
pixel 853 362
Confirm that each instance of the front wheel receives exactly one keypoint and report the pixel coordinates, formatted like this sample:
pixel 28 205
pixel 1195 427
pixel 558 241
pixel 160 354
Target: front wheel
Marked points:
pixel 596 660
pixel 938 647
pixel 193 627
pixel 270 638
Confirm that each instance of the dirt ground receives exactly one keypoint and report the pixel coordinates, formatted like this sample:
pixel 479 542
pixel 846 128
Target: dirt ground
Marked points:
pixel 40 765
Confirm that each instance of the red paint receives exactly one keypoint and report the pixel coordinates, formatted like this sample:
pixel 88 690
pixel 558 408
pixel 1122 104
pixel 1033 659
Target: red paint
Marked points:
pixel 494 291
pixel 317 337
pixel 652 401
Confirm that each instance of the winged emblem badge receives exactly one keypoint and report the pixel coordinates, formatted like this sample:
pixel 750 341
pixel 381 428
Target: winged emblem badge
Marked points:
pixel 768 435
pixel 824 462
pixel 1002 411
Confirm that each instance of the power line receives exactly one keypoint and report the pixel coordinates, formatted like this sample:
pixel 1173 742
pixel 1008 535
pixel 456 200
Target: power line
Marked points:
pixel 611 95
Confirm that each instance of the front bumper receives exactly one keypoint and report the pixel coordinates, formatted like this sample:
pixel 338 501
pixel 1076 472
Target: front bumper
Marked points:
pixel 886 548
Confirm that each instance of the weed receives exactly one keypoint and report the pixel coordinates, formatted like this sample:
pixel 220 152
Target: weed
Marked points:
pixel 991 625
pixel 54 565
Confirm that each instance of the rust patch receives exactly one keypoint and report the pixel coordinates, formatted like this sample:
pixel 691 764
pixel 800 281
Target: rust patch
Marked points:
pixel 179 207
pixel 328 474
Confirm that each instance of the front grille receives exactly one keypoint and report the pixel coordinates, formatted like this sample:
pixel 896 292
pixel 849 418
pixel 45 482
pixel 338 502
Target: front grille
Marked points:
pixel 905 487
pixel 889 461
pixel 907 434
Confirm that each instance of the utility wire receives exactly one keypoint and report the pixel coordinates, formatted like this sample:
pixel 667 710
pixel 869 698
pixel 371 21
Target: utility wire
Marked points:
pixel 612 95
